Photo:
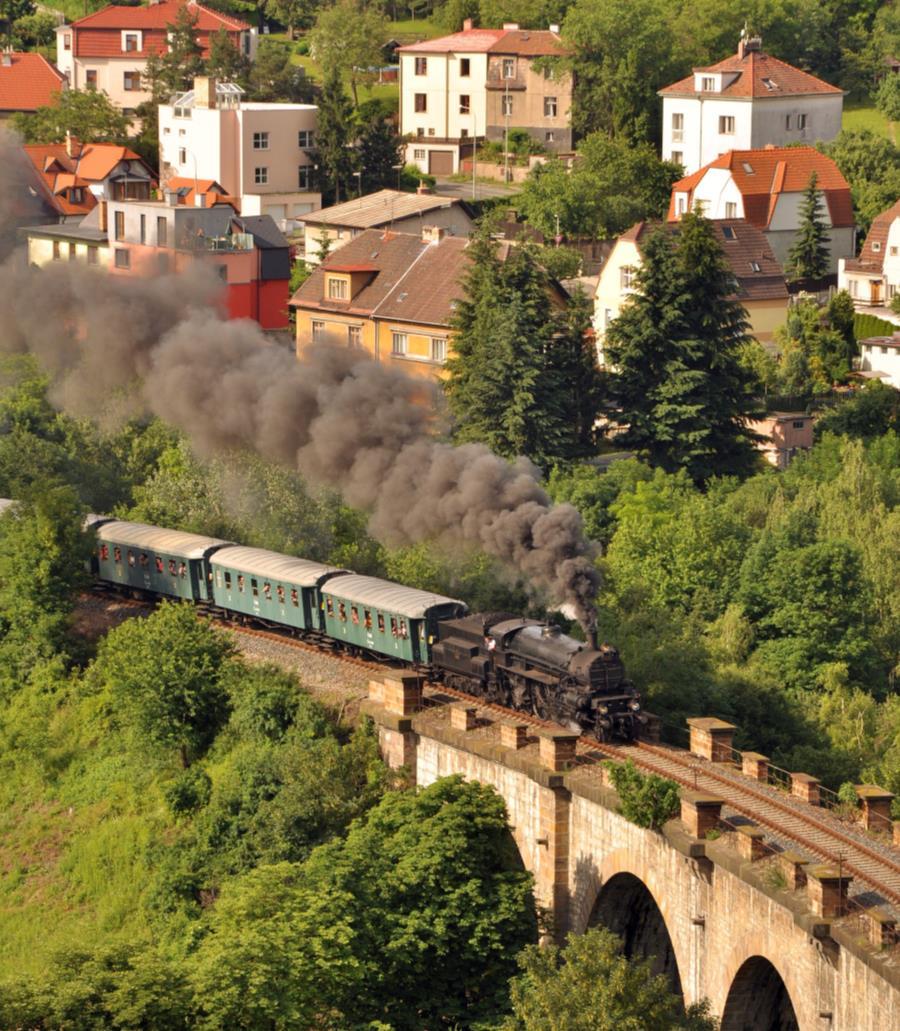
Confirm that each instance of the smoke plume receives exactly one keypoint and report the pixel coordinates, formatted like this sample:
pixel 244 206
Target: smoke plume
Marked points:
pixel 161 346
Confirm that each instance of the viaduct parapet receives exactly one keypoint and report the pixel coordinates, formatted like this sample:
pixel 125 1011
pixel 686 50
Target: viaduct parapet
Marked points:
pixel 761 934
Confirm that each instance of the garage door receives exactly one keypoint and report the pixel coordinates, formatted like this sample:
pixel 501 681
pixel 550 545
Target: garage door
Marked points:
pixel 277 211
pixel 440 162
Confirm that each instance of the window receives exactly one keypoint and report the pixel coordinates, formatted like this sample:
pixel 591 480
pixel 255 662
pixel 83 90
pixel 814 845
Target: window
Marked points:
pixel 884 350
pixel 130 558
pixel 227 580
pixel 549 137
pixel 295 598
pixel 463 134
pixel 680 204
pixel 438 349
pixel 787 121
pixel 394 626
pixel 73 254
pixel 173 569
pixel 305 138
pixel 120 225
pixel 677 127
pixel 754 266
pixel 853 287
pixel 730 209
pixel 131 81
pixel 354 614
pixel 267 591
pixel 403 631
pixel 123 258
pixel 90 78
pixel 729 233
pixel 627 277
pixel 279 590
pixel 260 176
pixel 56 250
pixel 798 424
pixel 550 107
pixel 380 623
pixel 117 555
pixel 399 343
pixel 260 141
pixel 678 157
pixel 160 568
pixel 707 84
pixel 143 228
pixel 421 103
pixel 876 246
pixel 893 252
pixel 337 289
pixel 465 103
pixel 421 66
pixel 131 42
pixel 354 336
pixel 420 132
pixel 254 586
pixel 507 104
pixel 464 67
pixel 162 232
pixel 342 612
pixel 801 121
pixel 318 331
pixel 182 156
pixel 303 177
pixel 726 124
pixel 418 154
pixel 607 317
pixel 67 41
pixel 509 67
pixel 329 606
pixel 93 255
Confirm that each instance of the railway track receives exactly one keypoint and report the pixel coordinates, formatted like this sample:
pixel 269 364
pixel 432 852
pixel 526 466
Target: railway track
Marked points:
pixel 814 831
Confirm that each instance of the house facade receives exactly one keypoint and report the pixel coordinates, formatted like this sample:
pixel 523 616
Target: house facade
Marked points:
pixel 748 101
pixel 760 281
pixel 385 209
pixel 261 154
pixel 880 358
pixel 27 81
pixel 765 187
pixel 108 50
pixel 873 279
pixel 785 435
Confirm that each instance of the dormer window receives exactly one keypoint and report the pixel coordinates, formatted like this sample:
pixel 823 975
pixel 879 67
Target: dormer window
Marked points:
pixel 754 266
pixel 509 67
pixel 76 195
pixel 131 42
pixel 770 85
pixel 708 84
pixel 337 289
pixel 876 246
pixel 67 41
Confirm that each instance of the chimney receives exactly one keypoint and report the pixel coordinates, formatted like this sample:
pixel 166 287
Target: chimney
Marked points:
pixel 205 91
pixel 104 217
pixel 171 198
pixel 422 189
pixel 554 29
pixel 748 44
pixel 433 234
pixel 6 59
pixel 510 26
pixel 769 146
pixel 70 144
pixel 467 24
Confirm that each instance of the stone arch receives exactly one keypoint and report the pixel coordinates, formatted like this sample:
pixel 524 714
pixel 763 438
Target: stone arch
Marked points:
pixel 758 999
pixel 627 907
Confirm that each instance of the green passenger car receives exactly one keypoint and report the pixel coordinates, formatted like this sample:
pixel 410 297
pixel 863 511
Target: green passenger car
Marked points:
pixel 385 617
pixel 270 587
pixel 150 558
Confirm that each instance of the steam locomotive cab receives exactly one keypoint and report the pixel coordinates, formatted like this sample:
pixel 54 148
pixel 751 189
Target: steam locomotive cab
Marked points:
pixel 534 667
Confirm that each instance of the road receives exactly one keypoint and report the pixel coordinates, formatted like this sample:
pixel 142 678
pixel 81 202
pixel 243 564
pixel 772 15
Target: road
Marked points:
pixel 463 190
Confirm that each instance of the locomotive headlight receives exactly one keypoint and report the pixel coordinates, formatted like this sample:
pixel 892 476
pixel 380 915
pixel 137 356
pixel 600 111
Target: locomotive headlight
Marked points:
pixel 634 706
pixel 603 710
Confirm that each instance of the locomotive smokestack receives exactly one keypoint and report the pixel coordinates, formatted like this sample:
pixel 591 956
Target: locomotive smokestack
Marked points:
pixel 590 629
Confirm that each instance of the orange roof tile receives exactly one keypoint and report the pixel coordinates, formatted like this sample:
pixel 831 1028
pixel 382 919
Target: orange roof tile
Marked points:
pixel 28 82
pixel 157 16
pixel 530 43
pixel 757 75
pixel 469 41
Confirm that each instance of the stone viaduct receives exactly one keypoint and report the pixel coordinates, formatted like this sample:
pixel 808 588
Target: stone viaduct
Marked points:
pixel 763 948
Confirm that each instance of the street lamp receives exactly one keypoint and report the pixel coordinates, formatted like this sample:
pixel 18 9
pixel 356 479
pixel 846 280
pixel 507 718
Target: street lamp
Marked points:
pixel 358 176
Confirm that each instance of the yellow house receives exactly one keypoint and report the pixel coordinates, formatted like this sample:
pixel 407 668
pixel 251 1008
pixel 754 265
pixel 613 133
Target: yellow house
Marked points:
pixel 68 241
pixel 391 294
pixel 761 286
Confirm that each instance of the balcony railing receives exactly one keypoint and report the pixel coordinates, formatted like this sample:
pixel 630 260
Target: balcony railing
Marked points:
pixel 230 244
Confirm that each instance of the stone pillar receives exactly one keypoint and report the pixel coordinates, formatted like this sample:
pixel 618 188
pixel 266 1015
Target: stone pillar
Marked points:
pixel 750 841
pixel 557 748
pixel 827 890
pixel 711 738
pixel 700 813
pixel 513 735
pixel 897 833
pixel 881 928
pixel 402 693
pixel 463 717
pixel 806 787
pixel 793 866
pixel 552 874
pixel 755 766
pixel 876 807
pixel 651 731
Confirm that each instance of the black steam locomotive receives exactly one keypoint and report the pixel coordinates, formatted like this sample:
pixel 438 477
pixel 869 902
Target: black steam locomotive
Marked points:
pixel 535 668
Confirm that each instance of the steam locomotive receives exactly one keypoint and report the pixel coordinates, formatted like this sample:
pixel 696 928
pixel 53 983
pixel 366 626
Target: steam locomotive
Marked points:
pixel 520 663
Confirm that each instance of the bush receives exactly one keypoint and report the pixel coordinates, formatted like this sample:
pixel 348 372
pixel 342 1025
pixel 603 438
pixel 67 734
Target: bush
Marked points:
pixel 847 794
pixel 189 792
pixel 647 800
pixel 412 177
pixel 887 97
pixel 871 326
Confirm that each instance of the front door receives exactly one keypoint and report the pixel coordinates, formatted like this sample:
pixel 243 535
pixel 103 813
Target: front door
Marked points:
pixel 876 291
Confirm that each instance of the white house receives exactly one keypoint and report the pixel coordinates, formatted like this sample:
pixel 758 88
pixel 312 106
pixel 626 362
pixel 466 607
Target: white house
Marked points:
pixel 749 100
pixel 880 357
pixel 766 188
pixel 874 277
pixel 260 153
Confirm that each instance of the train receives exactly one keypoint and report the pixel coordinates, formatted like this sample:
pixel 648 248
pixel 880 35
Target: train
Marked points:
pixel 524 664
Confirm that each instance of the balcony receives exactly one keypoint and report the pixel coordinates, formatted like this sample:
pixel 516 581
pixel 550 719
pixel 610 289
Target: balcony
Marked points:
pixel 233 243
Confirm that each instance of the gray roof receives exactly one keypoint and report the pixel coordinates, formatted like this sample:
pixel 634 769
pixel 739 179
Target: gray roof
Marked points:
pixel 258 561
pixel 66 231
pixel 265 231
pixel 382 594
pixel 155 538
pixel 379 209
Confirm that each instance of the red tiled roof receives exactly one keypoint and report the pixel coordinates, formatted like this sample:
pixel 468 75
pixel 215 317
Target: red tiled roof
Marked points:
pixel 469 41
pixel 157 16
pixel 212 192
pixel 762 175
pixel 758 75
pixel 871 260
pixel 28 82
pixel 530 43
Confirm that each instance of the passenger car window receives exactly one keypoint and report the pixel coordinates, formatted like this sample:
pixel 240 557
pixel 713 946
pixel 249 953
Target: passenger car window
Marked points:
pixel 380 623
pixel 254 586
pixel 227 580
pixel 295 600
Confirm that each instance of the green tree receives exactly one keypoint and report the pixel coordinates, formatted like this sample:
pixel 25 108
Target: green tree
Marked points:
pixel 589 985
pixel 592 491
pixel 89 115
pixel 274 77
pixel 347 41
pixel 809 257
pixel 334 137
pixel 520 368
pixel 293 14
pixel 11 11
pixel 871 165
pixel 165 674
pixel 34 30
pixel 645 799
pixel 812 356
pixel 887 97
pixel 174 70
pixel 872 412
pixel 379 155
pixel 681 389
pixel 225 62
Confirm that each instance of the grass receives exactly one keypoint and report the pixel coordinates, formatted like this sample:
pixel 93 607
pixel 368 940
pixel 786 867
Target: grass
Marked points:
pixel 864 115
pixel 419 28
pixel 313 70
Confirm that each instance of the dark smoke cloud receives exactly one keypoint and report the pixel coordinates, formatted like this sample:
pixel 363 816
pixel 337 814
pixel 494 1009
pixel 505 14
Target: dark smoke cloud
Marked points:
pixel 159 346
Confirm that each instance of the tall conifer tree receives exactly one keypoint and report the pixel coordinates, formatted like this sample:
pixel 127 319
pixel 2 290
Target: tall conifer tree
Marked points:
pixel 333 137
pixel 809 256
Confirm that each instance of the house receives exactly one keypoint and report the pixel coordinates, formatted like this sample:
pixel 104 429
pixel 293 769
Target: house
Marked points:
pixel 874 277
pixel 785 435
pixel 760 281
pixel 765 187
pixel 749 100
pixel 71 178
pixel 474 84
pixel 108 50
pixel 391 294
pixel 83 241
pixel 262 154
pixel 27 82
pixel 384 209
pixel 880 358
pixel 200 193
